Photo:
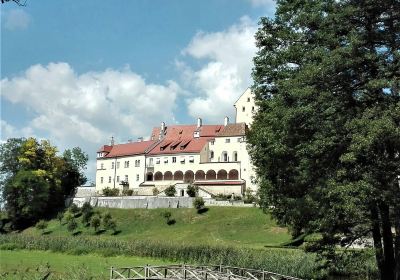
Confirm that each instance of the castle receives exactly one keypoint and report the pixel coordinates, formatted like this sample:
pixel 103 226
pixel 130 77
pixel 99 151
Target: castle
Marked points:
pixel 212 157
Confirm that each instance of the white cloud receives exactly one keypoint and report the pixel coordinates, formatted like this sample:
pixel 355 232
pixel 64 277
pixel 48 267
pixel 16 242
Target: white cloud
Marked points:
pixel 86 110
pixel 227 72
pixel 16 19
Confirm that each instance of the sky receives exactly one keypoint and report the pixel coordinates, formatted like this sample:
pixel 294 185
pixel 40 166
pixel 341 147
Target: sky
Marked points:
pixel 79 72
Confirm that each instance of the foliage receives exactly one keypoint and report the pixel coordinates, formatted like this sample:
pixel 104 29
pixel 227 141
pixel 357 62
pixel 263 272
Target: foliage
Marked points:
pixel 60 216
pixel 106 218
pixel 74 209
pixel 249 197
pixel 68 216
pixel 95 222
pixel 72 225
pixel 192 190
pixel 41 225
pixel 127 192
pixel 198 203
pixel 170 191
pixel 155 191
pixel 110 191
pixel 35 180
pixel 326 138
pixel 87 212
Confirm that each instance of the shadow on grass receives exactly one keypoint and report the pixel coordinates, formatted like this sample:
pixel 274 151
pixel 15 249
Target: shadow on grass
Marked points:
pixel 79 232
pixel 116 232
pixel 47 232
pixel 171 222
pixel 100 231
pixel 202 210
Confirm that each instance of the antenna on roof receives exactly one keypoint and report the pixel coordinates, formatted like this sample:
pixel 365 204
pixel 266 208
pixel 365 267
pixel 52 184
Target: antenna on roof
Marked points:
pixel 112 140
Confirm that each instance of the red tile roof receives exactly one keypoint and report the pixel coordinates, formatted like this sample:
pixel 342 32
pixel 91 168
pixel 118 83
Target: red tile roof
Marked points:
pixel 105 148
pixel 134 148
pixel 233 129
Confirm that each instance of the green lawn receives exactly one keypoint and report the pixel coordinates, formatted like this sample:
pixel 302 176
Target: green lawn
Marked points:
pixel 248 227
pixel 21 263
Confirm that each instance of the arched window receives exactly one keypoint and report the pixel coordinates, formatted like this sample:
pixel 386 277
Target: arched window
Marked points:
pixel 178 176
pixel 189 176
pixel 211 155
pixel 149 176
pixel 158 176
pixel 200 175
pixel 235 156
pixel 210 175
pixel 222 174
pixel 224 156
pixel 167 176
pixel 233 175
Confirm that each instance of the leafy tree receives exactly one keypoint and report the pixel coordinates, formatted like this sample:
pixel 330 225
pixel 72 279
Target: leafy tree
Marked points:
pixel 87 212
pixel 73 171
pixel 112 225
pixel 198 203
pixel 95 222
pixel 68 216
pixel 106 219
pixel 155 191
pixel 326 138
pixel 74 209
pixel 72 225
pixel 192 190
pixel 41 225
pixel 170 191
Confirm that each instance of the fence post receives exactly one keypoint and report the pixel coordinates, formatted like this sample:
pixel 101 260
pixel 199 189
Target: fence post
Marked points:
pixel 263 275
pixel 111 273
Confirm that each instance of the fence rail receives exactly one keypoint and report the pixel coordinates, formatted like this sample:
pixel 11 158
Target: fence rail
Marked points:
pixel 191 272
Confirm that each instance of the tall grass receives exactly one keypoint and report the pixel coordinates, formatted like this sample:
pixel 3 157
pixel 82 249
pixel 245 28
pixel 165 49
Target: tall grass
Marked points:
pixel 291 262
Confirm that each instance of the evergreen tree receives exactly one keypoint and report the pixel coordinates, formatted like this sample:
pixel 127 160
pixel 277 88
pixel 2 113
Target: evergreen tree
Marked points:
pixel 326 138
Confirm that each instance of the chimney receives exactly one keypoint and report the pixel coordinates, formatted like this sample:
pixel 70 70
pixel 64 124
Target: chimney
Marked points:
pixel 140 139
pixel 199 122
pixel 226 121
pixel 162 130
pixel 112 141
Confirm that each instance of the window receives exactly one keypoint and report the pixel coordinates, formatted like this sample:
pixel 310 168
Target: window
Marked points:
pixel 112 165
pixel 165 160
pixel 248 99
pixel 157 160
pixel 118 164
pixel 191 159
pixel 102 166
pixel 227 140
pixel 235 156
pixel 211 154
pixel 212 142
pixel 150 162
pixel 117 179
pixel 137 177
pixel 183 160
pixel 252 109
pixel 109 179
pixel 137 162
pixel 239 139
pixel 224 156
pixel 173 159
pixel 101 180
pixel 126 178
pixel 126 164
pixel 243 109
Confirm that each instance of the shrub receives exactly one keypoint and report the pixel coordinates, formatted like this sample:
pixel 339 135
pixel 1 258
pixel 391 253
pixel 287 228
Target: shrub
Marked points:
pixel 192 190
pixel 60 216
pixel 74 209
pixel 106 219
pixel 127 192
pixel 68 216
pixel 112 225
pixel 170 191
pixel 95 222
pixel 87 212
pixel 41 225
pixel 110 192
pixel 198 203
pixel 249 197
pixel 72 225
pixel 155 191
pixel 168 216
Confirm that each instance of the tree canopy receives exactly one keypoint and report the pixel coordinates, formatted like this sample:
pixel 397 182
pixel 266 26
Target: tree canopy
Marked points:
pixel 35 180
pixel 326 138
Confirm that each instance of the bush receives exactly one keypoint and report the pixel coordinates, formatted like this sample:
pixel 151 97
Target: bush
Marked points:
pixel 249 197
pixel 95 222
pixel 170 191
pixel 87 212
pixel 41 225
pixel 74 209
pixel 72 225
pixel 106 219
pixel 155 191
pixel 127 192
pixel 68 216
pixel 60 216
pixel 110 192
pixel 192 190
pixel 198 203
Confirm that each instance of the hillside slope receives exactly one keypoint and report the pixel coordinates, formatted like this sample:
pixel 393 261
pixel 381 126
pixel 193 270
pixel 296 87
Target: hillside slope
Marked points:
pixel 248 227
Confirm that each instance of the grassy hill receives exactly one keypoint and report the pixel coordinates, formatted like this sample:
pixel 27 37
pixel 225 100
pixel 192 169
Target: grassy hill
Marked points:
pixel 248 227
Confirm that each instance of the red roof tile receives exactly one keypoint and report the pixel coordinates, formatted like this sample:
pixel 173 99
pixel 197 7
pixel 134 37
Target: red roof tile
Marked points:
pixel 105 148
pixel 233 129
pixel 134 148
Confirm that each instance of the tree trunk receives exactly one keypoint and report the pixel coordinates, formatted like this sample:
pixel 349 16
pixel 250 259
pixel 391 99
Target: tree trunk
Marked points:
pixel 387 241
pixel 397 240
pixel 377 237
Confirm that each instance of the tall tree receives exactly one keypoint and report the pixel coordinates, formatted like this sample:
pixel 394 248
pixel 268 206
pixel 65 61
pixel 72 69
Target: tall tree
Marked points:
pixel 326 139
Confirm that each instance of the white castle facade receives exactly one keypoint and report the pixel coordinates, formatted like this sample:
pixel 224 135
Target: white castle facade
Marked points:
pixel 212 157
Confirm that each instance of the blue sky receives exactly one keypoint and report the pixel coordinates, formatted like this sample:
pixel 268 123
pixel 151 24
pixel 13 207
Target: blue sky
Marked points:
pixel 78 72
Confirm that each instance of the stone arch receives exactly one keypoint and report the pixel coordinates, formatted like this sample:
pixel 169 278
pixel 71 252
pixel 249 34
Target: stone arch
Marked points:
pixel 211 175
pixel 200 175
pixel 178 176
pixel 149 176
pixel 168 176
pixel 158 176
pixel 189 176
pixel 233 174
pixel 222 175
